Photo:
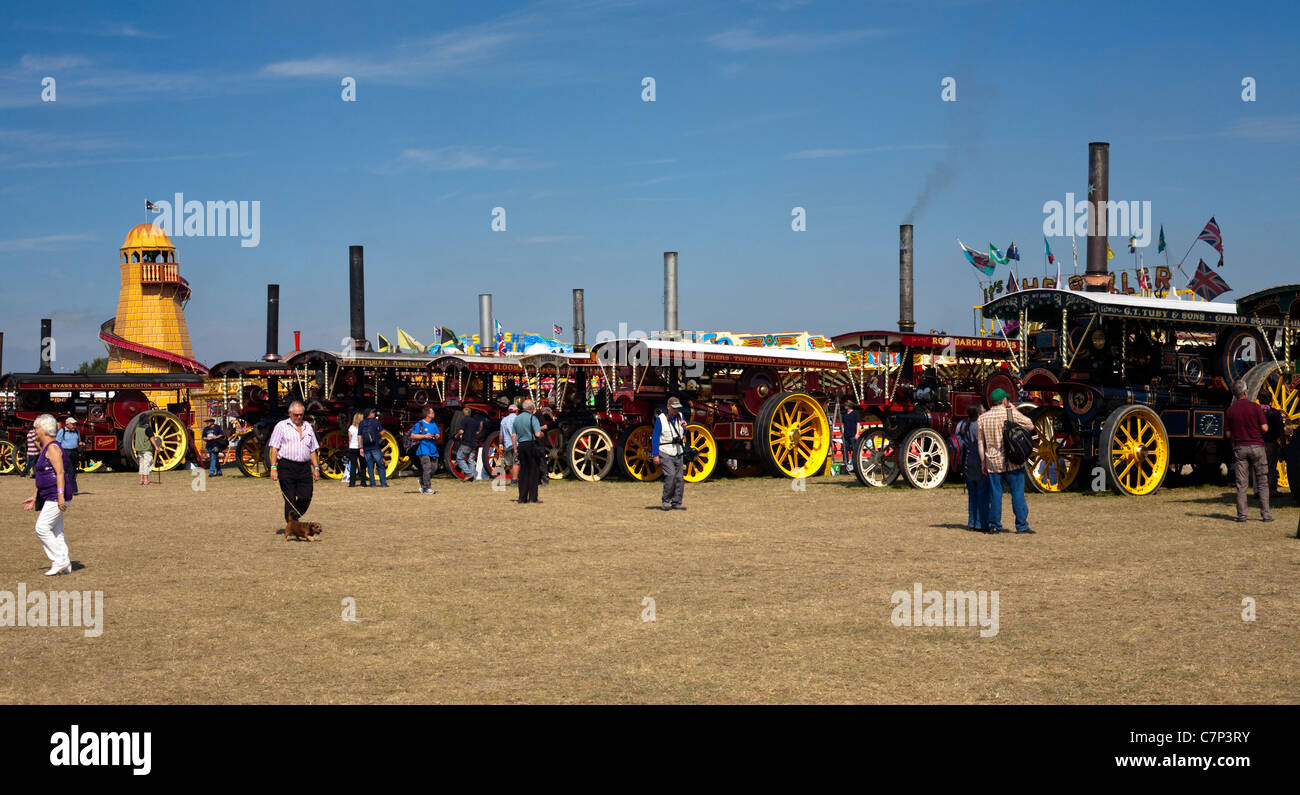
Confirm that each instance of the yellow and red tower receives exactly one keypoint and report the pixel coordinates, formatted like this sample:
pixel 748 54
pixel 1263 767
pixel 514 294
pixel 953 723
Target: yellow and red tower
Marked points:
pixel 149 334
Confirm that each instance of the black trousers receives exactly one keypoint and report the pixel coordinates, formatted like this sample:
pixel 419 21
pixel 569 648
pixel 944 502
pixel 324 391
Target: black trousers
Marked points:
pixel 296 486
pixel 530 470
pixel 354 465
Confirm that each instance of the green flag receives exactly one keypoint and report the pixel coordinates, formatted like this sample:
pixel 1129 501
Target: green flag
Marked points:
pixel 1161 247
pixel 996 256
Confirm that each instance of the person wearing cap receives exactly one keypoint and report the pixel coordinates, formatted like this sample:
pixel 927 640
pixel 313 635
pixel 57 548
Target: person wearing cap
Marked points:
pixel 667 447
pixel 70 443
pixel 529 436
pixel 1003 476
pixel 508 437
pixel 215 441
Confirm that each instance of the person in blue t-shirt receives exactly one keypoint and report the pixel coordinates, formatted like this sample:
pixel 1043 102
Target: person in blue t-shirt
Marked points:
pixel 426 431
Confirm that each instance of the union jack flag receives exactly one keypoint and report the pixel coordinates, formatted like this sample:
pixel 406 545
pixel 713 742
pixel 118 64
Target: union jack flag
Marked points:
pixel 1206 283
pixel 501 339
pixel 558 331
pixel 1210 234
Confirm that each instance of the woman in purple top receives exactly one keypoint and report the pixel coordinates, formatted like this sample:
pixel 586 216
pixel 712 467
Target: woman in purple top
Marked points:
pixel 49 499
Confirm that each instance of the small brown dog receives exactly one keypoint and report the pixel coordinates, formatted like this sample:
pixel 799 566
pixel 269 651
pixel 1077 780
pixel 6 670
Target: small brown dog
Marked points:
pixel 303 530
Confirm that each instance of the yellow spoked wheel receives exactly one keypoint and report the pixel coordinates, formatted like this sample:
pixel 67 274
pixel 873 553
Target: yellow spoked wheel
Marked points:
pixel 706 453
pixel 1268 385
pixel 88 464
pixel 591 454
pixel 333 454
pixel 250 456
pixel 634 455
pixel 173 440
pixel 8 458
pixel 392 453
pixel 1057 459
pixel 793 435
pixel 1135 449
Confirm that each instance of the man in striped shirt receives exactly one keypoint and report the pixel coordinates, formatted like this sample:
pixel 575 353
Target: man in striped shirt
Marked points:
pixel 295 460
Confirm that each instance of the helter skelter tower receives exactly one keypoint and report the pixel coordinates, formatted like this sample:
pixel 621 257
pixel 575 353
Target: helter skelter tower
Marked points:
pixel 149 334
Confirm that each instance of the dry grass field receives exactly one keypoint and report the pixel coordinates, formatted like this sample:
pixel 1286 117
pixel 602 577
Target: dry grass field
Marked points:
pixel 762 594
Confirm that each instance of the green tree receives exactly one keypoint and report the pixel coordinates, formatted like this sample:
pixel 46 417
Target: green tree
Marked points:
pixel 95 367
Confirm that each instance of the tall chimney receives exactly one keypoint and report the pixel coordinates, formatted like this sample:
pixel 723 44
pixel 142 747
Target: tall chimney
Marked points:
pixel 272 323
pixel 906 320
pixel 357 295
pixel 670 295
pixel 486 342
pixel 579 322
pixel 1096 278
pixel 46 340
pixel 2 352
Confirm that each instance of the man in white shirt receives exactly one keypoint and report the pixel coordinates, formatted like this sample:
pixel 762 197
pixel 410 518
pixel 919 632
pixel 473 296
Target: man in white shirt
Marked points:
pixel 295 460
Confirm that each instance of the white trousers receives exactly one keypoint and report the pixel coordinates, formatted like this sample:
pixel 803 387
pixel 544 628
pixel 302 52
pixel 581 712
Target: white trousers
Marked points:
pixel 49 529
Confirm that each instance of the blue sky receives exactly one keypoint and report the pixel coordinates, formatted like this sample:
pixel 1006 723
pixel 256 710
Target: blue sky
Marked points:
pixel 536 107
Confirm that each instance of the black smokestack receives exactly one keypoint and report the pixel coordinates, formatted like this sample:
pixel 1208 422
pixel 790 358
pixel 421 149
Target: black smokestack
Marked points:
pixel 272 323
pixel 2 352
pixel 579 322
pixel 47 335
pixel 906 321
pixel 1096 278
pixel 357 295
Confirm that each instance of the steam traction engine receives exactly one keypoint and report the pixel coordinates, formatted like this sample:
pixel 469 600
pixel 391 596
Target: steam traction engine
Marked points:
pixel 745 408
pixel 108 408
pixel 911 390
pixel 1140 385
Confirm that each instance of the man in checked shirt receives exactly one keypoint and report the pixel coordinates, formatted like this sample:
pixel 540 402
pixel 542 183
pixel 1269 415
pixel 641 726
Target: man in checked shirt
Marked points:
pixel 295 462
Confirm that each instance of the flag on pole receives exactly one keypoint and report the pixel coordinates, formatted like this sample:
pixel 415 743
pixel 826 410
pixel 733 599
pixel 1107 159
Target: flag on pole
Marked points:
pixel 501 339
pixel 1059 286
pixel 407 342
pixel 437 335
pixel 148 207
pixel 979 260
pixel 1110 255
pixel 1161 246
pixel 558 331
pixel 996 256
pixel 1011 283
pixel 1132 245
pixel 1206 283
pixel 1210 234
pixel 1050 256
pixel 384 345
pixel 1013 252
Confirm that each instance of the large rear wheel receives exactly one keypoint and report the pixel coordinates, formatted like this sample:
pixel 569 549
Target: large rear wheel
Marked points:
pixel 1269 385
pixel 793 435
pixel 1058 456
pixel 250 456
pixel 8 457
pixel 173 439
pixel 1136 450
pixel 634 459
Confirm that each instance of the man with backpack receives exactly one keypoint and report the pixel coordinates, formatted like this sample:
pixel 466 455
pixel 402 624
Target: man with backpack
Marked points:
pixel 372 449
pixel 1003 451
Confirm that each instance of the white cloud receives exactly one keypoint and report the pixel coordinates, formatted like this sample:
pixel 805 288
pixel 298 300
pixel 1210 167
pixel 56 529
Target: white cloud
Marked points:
pixel 813 154
pixel 461 158
pixel 46 243
pixel 443 54
pixel 1269 129
pixel 51 63
pixel 748 40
